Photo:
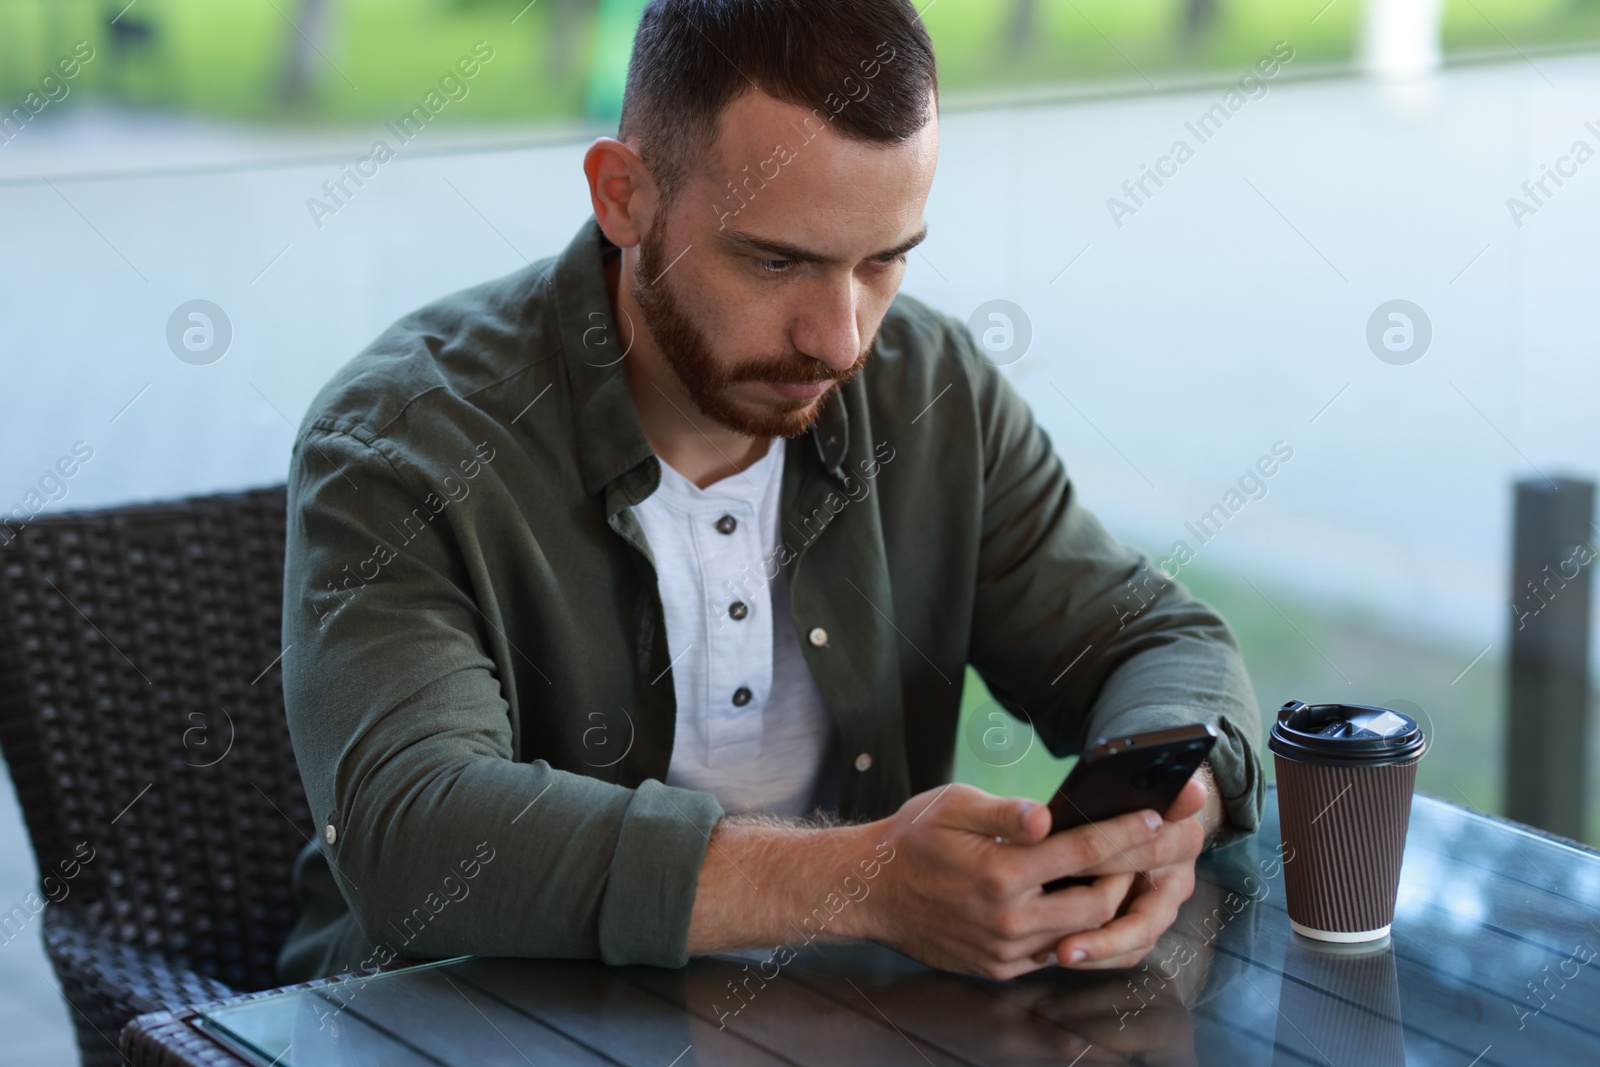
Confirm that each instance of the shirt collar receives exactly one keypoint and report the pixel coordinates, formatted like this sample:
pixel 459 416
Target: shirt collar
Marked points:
pixel 611 441
pixel 749 486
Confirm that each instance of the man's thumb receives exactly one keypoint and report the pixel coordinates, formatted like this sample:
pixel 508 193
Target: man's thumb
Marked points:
pixel 1006 817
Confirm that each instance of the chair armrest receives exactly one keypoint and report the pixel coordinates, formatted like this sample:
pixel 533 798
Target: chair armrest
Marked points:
pixel 107 982
pixel 170 1038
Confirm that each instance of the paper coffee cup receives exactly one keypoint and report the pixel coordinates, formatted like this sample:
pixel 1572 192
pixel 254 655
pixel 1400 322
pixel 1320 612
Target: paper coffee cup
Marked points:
pixel 1345 778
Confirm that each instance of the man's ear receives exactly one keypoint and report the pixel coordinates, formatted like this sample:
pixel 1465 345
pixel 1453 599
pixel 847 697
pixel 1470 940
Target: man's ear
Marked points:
pixel 621 190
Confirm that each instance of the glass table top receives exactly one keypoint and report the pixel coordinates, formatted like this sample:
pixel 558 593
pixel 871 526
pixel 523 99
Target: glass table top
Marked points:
pixel 1490 962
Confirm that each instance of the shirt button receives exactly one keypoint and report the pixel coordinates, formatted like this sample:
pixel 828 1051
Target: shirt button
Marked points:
pixel 741 696
pixel 727 524
pixel 329 834
pixel 738 609
pixel 818 636
pixel 864 761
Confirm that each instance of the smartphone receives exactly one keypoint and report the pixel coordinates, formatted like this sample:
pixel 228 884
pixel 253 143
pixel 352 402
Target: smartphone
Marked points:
pixel 1126 773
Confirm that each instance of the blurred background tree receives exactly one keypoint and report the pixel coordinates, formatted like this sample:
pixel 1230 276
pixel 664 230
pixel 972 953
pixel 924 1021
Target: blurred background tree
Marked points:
pixel 304 47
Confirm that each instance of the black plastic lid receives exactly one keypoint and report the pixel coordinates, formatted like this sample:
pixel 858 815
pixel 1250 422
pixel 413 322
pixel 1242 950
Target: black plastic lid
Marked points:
pixel 1345 734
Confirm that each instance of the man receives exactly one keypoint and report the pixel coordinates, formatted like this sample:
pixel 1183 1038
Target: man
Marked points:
pixel 603 576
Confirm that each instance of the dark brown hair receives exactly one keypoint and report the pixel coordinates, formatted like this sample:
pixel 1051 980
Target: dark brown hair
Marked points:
pixel 865 66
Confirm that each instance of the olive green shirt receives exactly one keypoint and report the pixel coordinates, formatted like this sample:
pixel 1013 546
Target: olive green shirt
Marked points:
pixel 475 661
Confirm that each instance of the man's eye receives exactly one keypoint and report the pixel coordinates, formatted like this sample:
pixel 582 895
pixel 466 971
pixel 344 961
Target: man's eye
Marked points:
pixel 775 266
pixel 889 261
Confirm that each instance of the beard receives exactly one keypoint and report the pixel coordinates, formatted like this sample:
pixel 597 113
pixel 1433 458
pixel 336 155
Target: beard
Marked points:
pixel 707 381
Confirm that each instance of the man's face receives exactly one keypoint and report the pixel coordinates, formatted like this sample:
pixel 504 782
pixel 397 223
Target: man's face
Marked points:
pixel 765 297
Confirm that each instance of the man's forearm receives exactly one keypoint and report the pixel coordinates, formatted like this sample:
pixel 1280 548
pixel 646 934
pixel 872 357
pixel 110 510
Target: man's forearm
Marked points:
pixel 761 884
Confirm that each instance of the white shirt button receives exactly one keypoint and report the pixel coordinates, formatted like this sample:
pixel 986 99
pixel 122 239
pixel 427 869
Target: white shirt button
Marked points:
pixel 330 835
pixel 818 636
pixel 863 761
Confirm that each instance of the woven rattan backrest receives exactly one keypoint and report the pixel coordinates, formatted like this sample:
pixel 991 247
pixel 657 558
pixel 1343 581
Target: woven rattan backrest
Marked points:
pixel 141 714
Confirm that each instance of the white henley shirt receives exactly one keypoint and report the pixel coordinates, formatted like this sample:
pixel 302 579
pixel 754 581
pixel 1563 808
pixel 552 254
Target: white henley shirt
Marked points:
pixel 752 727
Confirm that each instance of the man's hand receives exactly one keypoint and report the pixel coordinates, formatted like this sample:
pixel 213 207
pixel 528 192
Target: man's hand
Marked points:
pixel 1165 881
pixel 965 892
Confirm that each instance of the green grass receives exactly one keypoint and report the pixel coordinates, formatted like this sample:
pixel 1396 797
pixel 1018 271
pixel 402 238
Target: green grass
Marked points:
pixel 222 57
pixel 1327 654
pixel 381 58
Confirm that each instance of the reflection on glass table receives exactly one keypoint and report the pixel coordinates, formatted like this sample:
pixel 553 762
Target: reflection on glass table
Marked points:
pixel 1489 963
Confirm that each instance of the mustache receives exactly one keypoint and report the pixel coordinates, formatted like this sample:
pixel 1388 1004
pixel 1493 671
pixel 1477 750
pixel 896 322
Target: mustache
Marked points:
pixel 795 367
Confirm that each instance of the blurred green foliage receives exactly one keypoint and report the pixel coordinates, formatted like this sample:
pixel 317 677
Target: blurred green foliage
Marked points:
pixel 368 60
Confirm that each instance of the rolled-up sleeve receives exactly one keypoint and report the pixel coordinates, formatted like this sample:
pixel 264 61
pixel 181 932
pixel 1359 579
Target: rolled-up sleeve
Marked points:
pixel 1083 634
pixel 441 841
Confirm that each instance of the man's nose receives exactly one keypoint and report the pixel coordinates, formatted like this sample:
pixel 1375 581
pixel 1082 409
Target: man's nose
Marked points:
pixel 828 330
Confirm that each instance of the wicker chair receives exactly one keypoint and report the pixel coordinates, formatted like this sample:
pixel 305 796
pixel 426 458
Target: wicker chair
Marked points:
pixel 141 714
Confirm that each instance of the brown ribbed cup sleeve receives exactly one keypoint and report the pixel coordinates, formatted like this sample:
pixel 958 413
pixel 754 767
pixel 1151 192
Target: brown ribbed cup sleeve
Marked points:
pixel 1345 829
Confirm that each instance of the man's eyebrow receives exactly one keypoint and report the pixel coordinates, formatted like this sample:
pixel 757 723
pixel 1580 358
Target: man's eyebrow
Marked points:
pixel 774 249
pixel 908 244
